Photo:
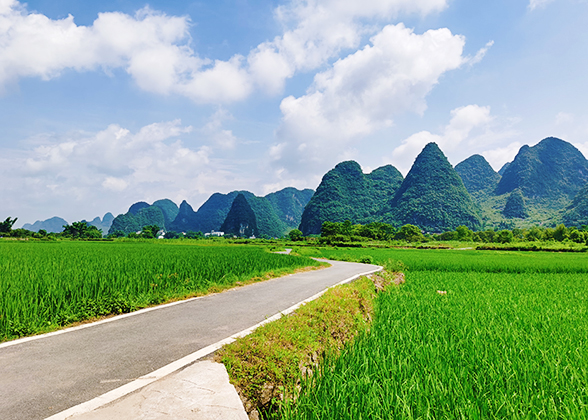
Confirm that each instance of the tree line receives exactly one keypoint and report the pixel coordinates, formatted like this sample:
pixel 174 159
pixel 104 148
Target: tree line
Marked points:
pixel 333 232
pixel 86 231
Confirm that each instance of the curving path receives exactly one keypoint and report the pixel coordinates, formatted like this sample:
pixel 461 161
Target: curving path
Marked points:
pixel 48 374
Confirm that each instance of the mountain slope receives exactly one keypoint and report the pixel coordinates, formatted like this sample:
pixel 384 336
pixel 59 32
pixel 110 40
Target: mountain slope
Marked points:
pixel 240 220
pixel 346 193
pixel 169 209
pixel 577 213
pixel 515 206
pixel 432 196
pixel 289 205
pixel 549 171
pixel 54 224
pixel 141 214
pixel 477 175
pixel 104 223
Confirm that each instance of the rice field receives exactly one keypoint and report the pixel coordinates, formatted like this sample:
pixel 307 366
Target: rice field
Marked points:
pixel 46 285
pixel 462 261
pixel 492 336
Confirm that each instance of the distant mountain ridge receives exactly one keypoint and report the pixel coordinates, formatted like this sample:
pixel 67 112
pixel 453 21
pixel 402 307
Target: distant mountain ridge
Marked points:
pixel 275 214
pixel 55 224
pixel 545 184
pixel 52 225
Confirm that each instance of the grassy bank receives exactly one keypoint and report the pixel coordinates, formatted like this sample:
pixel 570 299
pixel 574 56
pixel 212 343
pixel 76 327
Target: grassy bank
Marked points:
pixel 267 366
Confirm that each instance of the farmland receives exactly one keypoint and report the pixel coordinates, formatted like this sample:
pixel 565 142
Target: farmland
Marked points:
pixel 506 338
pixel 47 285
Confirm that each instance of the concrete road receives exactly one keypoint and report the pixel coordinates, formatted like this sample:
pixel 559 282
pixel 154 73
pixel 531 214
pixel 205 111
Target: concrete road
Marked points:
pixel 42 377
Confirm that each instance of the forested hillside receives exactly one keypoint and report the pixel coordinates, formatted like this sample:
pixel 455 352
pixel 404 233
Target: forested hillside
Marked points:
pixel 346 193
pixel 432 196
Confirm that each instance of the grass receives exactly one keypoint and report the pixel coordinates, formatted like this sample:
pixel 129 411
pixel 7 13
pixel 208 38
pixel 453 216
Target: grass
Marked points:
pixel 454 260
pixel 267 365
pixel 47 285
pixel 506 340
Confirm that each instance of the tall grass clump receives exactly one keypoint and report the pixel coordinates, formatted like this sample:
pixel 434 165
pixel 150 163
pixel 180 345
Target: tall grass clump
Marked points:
pixel 462 345
pixel 46 285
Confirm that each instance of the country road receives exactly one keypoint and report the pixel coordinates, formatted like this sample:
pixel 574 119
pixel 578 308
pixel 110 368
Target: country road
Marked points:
pixel 41 377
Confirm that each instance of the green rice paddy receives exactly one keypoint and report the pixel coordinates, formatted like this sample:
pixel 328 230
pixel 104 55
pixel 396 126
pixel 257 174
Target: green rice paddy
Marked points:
pixel 46 285
pixel 470 335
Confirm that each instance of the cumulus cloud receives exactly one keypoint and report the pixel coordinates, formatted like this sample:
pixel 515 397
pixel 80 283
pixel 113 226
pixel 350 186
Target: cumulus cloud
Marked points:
pixel 154 48
pixel 463 121
pixel 113 168
pixel 151 46
pixel 364 92
pixel 317 30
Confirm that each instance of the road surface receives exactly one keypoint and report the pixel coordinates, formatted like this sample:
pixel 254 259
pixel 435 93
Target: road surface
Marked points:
pixel 41 377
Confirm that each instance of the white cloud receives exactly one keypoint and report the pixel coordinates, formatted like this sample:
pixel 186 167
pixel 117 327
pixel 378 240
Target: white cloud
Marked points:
pixel 480 54
pixel 84 175
pixel 534 4
pixel 214 130
pixel 151 46
pixel 363 93
pixel 317 30
pixel 155 48
pixel 463 121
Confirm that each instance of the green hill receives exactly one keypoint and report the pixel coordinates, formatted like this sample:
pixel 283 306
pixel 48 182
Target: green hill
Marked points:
pixel 289 204
pixel 137 207
pixel 346 193
pixel 169 208
pixel 240 220
pixel 577 213
pixel 54 224
pixel 432 196
pixel 142 214
pixel 549 171
pixel 477 175
pixel 515 206
pixel 504 168
pixel 276 214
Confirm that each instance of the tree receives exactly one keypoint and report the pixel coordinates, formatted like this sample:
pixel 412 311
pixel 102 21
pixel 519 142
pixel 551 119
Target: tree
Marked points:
pixel 295 235
pixel 330 229
pixel 505 236
pixel 6 226
pixel 463 233
pixel 172 235
pixel 560 233
pixel 81 230
pixel 409 233
pixel 194 235
pixel 149 231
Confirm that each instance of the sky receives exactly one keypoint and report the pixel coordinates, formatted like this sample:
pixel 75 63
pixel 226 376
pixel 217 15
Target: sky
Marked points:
pixel 103 104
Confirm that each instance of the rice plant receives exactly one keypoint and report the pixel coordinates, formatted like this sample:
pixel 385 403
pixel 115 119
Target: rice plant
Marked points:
pixel 47 285
pixel 465 344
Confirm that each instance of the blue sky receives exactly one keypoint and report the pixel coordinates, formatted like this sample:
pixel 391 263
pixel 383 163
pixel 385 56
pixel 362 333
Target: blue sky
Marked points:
pixel 103 104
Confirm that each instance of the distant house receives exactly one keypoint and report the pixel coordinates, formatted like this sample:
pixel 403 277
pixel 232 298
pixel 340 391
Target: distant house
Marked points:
pixel 213 233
